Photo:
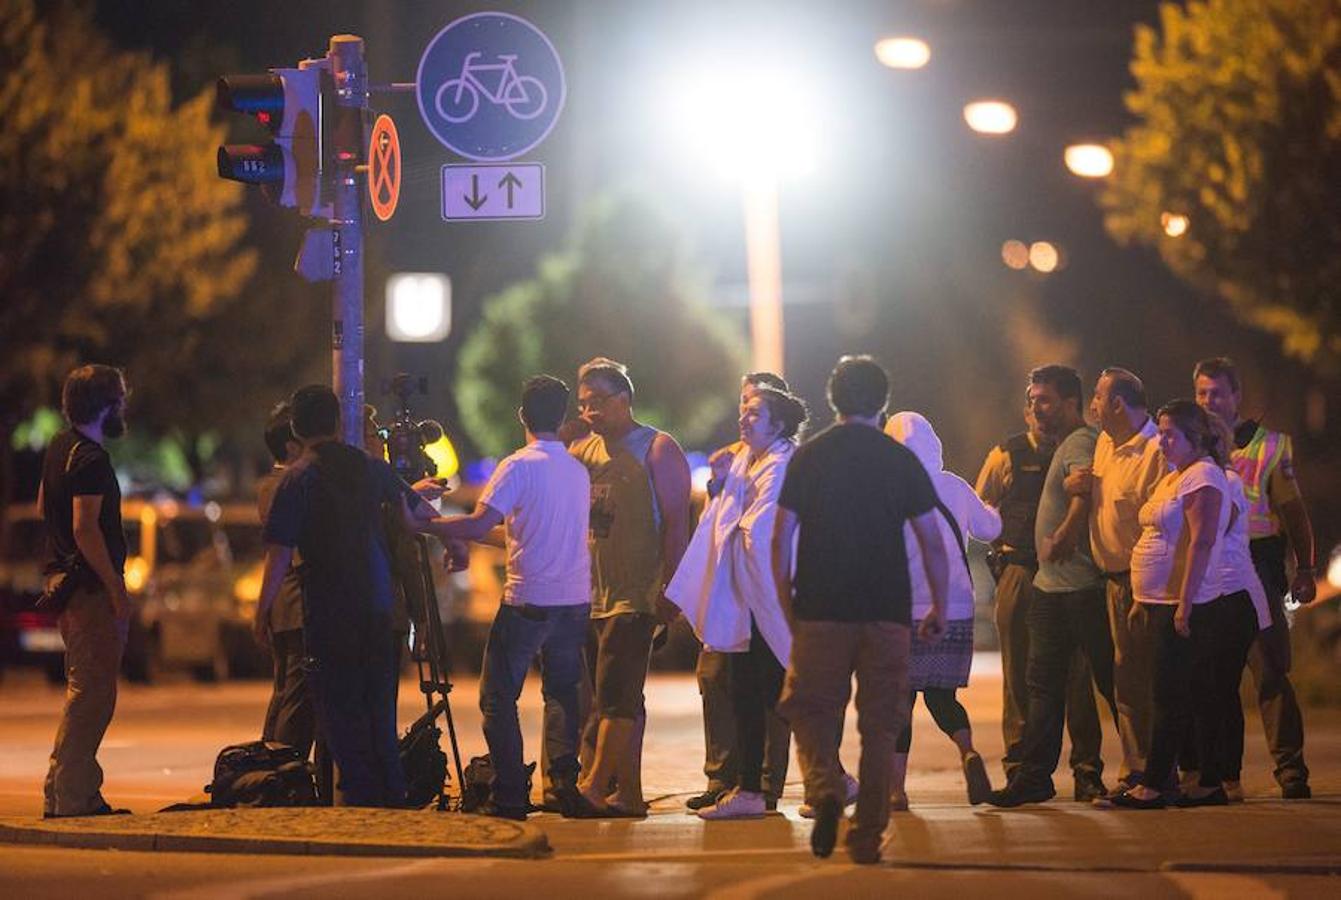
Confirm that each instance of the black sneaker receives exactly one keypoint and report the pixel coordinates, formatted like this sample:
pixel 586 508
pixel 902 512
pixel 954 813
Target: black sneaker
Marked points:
pixel 824 834
pixel 1296 790
pixel 705 799
pixel 1020 792
pixel 1217 797
pixel 770 803
pixel 1089 787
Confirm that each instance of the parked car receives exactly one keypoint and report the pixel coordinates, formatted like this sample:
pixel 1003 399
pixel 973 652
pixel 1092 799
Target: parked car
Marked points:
pixel 189 572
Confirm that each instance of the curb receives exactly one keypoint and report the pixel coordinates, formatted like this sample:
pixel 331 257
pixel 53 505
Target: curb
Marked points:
pixel 308 831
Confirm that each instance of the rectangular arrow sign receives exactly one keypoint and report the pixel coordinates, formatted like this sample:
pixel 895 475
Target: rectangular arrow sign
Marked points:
pixel 493 191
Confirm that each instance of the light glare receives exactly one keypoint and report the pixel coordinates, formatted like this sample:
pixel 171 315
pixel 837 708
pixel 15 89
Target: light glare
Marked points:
pixel 1175 224
pixel 418 307
pixel 990 116
pixel 1044 256
pixel 1015 254
pixel 1089 160
pixel 903 52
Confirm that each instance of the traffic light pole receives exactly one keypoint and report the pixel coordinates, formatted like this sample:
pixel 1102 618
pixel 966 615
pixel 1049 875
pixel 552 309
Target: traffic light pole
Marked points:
pixel 350 74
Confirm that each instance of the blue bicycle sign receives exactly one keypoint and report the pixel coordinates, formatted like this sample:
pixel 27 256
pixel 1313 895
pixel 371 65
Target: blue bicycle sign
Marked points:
pixel 522 96
pixel 490 86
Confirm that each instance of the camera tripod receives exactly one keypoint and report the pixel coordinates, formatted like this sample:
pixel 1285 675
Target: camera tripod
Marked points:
pixel 430 655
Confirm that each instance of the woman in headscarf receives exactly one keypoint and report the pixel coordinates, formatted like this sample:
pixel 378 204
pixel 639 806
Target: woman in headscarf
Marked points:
pixel 937 669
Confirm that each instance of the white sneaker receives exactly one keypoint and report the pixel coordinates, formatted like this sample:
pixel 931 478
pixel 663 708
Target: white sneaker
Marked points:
pixel 806 811
pixel 736 804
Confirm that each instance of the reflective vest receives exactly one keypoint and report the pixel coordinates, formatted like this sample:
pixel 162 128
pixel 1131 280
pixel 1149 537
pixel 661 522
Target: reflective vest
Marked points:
pixel 1255 464
pixel 1019 505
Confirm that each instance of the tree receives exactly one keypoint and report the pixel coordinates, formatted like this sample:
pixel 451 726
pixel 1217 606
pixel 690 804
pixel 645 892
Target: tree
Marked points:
pixel 119 243
pixel 623 290
pixel 1238 109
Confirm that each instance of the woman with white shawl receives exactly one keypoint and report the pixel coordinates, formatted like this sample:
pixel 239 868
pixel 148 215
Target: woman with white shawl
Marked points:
pixel 725 586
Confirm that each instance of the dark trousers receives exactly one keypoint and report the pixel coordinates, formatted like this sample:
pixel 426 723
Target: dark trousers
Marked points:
pixel 1059 625
pixel 289 718
pixel 1187 705
pixel 945 708
pixel 756 685
pixel 558 634
pixel 721 763
pixel 1014 591
pixel 1269 661
pixel 353 686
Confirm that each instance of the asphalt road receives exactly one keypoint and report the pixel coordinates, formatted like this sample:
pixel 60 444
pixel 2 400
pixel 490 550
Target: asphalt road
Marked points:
pixel 162 744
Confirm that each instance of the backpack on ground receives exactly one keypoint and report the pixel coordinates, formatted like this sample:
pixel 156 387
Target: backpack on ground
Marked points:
pixel 477 787
pixel 262 773
pixel 425 765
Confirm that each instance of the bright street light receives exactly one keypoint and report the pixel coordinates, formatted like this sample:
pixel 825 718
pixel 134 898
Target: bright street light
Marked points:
pixel 1015 254
pixel 1044 256
pixel 1174 224
pixel 418 307
pixel 990 116
pixel 757 124
pixel 1089 160
pixel 903 52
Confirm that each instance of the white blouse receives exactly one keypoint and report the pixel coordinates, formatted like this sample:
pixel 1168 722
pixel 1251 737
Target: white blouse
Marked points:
pixel 1236 570
pixel 1159 561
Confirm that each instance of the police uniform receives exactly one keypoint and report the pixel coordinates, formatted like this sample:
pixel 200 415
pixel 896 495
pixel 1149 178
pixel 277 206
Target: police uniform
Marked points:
pixel 1264 460
pixel 1012 480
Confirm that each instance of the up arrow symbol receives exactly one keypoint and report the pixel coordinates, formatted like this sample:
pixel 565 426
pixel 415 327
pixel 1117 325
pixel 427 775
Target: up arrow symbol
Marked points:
pixel 510 182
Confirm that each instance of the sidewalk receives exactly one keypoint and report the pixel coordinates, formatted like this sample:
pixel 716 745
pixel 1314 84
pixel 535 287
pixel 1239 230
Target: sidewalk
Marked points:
pixel 308 831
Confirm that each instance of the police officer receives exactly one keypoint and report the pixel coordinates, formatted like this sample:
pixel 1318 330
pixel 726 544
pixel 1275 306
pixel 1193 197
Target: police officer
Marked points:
pixel 1277 521
pixel 1012 480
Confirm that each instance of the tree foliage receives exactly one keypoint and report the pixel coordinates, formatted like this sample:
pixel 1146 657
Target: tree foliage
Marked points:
pixel 1238 109
pixel 624 290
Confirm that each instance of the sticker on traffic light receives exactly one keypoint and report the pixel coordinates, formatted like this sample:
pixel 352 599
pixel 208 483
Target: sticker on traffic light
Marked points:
pixel 384 168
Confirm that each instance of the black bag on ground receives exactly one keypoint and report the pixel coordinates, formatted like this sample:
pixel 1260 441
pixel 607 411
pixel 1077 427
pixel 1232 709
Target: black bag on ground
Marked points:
pixel 425 765
pixel 262 773
pixel 478 787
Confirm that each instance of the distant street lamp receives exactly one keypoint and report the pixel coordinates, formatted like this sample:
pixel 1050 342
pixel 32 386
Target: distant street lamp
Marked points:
pixel 903 52
pixel 1089 160
pixel 1015 254
pixel 990 116
pixel 1174 224
pixel 418 307
pixel 1044 257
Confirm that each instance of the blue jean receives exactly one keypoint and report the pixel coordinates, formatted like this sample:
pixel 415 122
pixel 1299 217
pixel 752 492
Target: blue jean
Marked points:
pixel 559 635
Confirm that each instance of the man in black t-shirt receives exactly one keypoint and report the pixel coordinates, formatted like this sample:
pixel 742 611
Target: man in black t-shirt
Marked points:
pixel 81 505
pixel 850 490
pixel 328 507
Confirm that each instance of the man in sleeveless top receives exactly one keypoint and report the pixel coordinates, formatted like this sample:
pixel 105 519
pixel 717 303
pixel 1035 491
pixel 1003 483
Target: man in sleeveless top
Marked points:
pixel 81 506
pixel 1012 480
pixel 1278 523
pixel 639 529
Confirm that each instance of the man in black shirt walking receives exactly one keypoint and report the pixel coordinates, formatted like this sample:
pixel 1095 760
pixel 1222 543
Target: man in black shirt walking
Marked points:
pixel 328 507
pixel 850 490
pixel 81 505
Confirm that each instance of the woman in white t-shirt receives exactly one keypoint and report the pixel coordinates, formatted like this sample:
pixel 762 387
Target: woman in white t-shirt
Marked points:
pixel 1174 576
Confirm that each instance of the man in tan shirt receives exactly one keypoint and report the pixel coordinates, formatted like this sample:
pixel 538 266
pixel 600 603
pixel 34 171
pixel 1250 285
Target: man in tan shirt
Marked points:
pixel 1127 466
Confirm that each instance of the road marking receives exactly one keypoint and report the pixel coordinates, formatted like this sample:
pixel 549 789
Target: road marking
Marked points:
pixel 1215 885
pixel 261 887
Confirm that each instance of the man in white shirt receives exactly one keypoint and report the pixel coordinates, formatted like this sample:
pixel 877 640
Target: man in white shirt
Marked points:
pixel 543 494
pixel 1127 466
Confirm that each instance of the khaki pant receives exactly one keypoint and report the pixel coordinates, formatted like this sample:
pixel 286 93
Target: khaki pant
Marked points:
pixel 94 642
pixel 825 655
pixel 1133 676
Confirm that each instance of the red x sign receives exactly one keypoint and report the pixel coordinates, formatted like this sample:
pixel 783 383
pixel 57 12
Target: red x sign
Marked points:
pixel 384 168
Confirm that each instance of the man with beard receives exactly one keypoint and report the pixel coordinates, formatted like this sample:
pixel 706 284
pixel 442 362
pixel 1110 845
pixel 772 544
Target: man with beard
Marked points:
pixel 81 505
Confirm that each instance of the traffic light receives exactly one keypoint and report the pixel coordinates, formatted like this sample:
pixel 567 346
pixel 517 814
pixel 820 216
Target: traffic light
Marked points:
pixel 295 105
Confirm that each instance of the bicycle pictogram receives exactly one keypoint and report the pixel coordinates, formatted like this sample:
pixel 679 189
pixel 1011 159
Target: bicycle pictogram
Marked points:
pixel 458 100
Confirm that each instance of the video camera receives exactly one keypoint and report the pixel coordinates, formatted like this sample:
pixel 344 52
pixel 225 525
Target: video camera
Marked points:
pixel 406 438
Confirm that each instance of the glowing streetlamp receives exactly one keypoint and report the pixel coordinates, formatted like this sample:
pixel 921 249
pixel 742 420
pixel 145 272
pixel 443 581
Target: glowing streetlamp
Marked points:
pixel 756 124
pixel 1174 224
pixel 1044 257
pixel 990 116
pixel 1089 160
pixel 903 52
pixel 1015 254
